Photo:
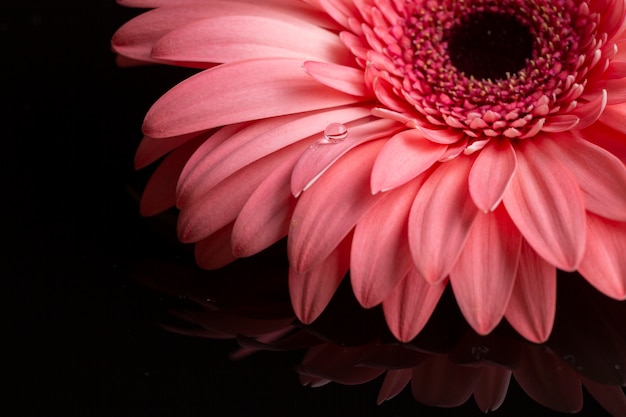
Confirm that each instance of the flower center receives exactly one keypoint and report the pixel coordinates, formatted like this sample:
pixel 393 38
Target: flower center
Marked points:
pixel 489 45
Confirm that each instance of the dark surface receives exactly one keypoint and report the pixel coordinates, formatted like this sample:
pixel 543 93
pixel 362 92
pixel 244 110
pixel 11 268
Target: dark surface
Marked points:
pixel 82 338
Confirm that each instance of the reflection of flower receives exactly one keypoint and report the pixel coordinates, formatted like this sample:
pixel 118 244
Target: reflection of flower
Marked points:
pixel 412 143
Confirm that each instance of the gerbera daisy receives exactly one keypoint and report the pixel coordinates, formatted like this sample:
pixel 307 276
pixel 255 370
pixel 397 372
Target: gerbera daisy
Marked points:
pixel 479 143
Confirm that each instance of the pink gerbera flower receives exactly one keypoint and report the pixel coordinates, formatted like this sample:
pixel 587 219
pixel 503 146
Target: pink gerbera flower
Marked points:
pixel 479 143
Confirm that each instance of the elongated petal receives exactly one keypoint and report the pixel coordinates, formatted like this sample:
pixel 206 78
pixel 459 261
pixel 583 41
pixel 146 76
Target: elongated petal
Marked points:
pixel 236 38
pixel 151 149
pixel 545 202
pixel 395 381
pixel 611 397
pixel 327 212
pixel 265 217
pixel 532 304
pixel 405 156
pixel 491 174
pixel 440 383
pixel 247 90
pixel 600 175
pixel 483 277
pixel 380 255
pixel 549 381
pixel 160 191
pixel 320 156
pixel 410 305
pixel 253 142
pixel 492 387
pixel 440 219
pixel 338 77
pixel 311 291
pixel 604 263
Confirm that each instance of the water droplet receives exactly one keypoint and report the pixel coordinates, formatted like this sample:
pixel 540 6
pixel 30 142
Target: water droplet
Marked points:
pixel 335 132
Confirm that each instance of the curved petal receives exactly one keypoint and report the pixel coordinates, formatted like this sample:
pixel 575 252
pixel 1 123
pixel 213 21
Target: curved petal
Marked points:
pixel 228 38
pixel 380 254
pixel 491 174
pixel 311 291
pixel 548 380
pixel 406 155
pixel 604 263
pixel 610 397
pixel 441 218
pixel 255 141
pixel 264 218
pixel 395 381
pixel 410 305
pixel 328 211
pixel 600 175
pixel 484 275
pixel 247 90
pixel 214 252
pixel 545 202
pixel 338 77
pixel 438 382
pixel 492 387
pixel 321 155
pixel 151 149
pixel 532 305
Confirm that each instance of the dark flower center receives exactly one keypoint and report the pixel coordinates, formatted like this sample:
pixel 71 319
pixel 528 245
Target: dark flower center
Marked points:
pixel 489 45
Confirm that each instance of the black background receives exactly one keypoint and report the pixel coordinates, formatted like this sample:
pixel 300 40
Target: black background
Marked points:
pixel 81 336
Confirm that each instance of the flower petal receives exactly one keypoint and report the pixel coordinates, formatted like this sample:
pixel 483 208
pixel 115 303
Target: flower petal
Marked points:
pixel 440 219
pixel 247 90
pixel 491 174
pixel 410 305
pixel 311 291
pixel 406 155
pixel 212 165
pixel 380 255
pixel 600 175
pixel 491 387
pixel 228 38
pixel 483 277
pixel 604 263
pixel 610 397
pixel 532 305
pixel 338 77
pixel 320 156
pixel 545 202
pixel 328 211
pixel 213 252
pixel 395 381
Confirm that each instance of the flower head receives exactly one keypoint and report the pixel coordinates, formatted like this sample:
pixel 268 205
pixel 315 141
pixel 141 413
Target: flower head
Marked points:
pixel 479 143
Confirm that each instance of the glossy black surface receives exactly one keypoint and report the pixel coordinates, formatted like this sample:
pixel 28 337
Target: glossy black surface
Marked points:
pixel 82 337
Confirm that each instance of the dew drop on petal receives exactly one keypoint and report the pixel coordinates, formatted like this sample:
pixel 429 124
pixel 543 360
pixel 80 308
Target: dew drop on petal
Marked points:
pixel 335 132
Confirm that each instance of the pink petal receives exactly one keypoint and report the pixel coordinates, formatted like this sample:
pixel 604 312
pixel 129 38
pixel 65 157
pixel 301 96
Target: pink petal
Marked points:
pixel 548 380
pixel 441 218
pixel 214 252
pixel 238 92
pixel 590 112
pixel 437 382
pixel 339 77
pixel 483 277
pixel 545 202
pixel 311 291
pixel 405 156
pixel 604 263
pixel 600 175
pixel 380 255
pixel 264 218
pixel 227 38
pixel 491 387
pixel 328 211
pixel 255 141
pixel 491 174
pixel 221 205
pixel 320 156
pixel 395 381
pixel 410 305
pixel 610 397
pixel 532 304
pixel 160 192
pixel 151 149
